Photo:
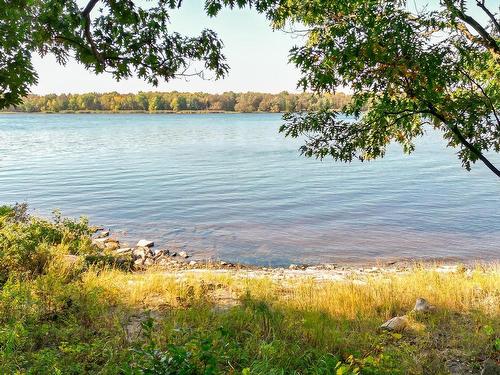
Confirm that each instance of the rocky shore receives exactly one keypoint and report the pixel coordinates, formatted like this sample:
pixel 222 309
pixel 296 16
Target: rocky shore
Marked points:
pixel 144 256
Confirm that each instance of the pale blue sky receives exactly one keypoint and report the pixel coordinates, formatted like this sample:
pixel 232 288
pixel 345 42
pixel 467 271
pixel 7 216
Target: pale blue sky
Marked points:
pixel 257 57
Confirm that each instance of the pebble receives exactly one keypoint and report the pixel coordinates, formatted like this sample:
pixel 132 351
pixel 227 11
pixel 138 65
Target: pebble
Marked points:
pixel 183 254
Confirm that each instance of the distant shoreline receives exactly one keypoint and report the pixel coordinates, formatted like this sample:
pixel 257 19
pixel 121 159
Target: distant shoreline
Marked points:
pixel 162 112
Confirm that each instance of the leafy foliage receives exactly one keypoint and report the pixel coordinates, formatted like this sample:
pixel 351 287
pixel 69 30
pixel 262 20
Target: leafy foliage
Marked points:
pixel 27 244
pixel 439 67
pixel 119 37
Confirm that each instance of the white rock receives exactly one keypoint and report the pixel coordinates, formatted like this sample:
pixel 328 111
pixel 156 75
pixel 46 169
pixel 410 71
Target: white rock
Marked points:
pixel 192 263
pixel 183 254
pixel 422 305
pixel 140 252
pixel 396 324
pixel 145 243
pixel 293 267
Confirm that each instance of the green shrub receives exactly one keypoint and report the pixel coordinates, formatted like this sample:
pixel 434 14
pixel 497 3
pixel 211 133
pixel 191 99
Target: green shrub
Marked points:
pixel 27 244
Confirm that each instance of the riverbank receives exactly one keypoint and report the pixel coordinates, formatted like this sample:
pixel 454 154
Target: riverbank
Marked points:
pixel 181 112
pixel 71 305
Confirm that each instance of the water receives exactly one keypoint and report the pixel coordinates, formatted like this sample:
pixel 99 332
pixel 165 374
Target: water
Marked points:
pixel 229 186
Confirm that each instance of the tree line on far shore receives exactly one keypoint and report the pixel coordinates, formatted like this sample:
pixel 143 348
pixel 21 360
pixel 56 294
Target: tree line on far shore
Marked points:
pixel 182 101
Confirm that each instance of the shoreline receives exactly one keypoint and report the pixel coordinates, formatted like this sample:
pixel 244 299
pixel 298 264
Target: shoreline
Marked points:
pixel 143 258
pixel 133 112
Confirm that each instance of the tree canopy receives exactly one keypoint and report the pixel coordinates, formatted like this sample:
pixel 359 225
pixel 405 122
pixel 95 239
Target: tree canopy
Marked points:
pixel 410 67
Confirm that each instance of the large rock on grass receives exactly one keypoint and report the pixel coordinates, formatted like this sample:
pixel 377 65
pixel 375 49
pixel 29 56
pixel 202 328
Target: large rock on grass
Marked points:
pixel 396 324
pixel 422 305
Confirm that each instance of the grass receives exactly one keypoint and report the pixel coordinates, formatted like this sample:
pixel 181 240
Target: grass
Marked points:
pixel 84 317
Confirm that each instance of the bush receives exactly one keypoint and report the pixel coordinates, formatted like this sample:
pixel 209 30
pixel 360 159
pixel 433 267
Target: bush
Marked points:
pixel 27 244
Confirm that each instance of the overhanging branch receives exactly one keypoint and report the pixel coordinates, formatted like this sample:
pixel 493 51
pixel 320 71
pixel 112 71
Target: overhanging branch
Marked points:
pixel 88 35
pixel 463 140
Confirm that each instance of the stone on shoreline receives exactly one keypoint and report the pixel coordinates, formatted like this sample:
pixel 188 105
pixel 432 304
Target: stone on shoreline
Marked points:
pixel 161 253
pixel 148 261
pixel 141 252
pixel 103 234
pixel 124 250
pixel 106 243
pixel 145 243
pixel 183 254
pixel 112 244
pixel 396 324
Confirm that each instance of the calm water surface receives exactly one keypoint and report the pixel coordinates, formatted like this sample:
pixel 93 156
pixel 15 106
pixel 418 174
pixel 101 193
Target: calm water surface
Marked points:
pixel 231 187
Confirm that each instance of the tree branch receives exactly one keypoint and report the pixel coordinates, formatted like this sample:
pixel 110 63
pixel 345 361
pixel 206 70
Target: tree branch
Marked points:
pixel 487 40
pixel 88 35
pixel 462 139
pixel 480 4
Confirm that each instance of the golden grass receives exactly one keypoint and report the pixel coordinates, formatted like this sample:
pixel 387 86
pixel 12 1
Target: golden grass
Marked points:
pixel 382 295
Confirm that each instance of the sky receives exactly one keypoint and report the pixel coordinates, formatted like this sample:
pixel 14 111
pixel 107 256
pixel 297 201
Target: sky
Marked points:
pixel 257 56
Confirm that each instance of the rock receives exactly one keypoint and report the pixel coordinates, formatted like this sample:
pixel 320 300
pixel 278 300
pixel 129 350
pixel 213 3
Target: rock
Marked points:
pixel 100 242
pixel 106 243
pixel 124 250
pixel 490 368
pixel 103 234
pixel 161 253
pixel 112 245
pixel 173 254
pixel 145 243
pixel 293 267
pixel 423 306
pixel 183 254
pixel 139 261
pixel 192 263
pixel 149 262
pixel 222 263
pixel 396 324
pixel 141 252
